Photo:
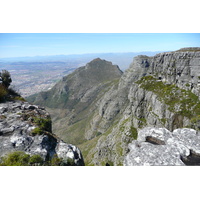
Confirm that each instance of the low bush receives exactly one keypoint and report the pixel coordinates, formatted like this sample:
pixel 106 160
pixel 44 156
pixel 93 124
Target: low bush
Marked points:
pixel 44 124
pixel 19 158
pixel 6 78
pixel 37 131
pixel 36 160
pixel 55 161
pixel 3 93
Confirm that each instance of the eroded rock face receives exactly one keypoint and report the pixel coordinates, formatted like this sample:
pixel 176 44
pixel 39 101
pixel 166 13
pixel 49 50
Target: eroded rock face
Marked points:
pixel 158 146
pixel 181 67
pixel 16 133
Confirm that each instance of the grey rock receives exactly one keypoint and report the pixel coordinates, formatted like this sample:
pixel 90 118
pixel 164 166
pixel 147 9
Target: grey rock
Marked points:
pixel 66 151
pixel 15 134
pixel 175 149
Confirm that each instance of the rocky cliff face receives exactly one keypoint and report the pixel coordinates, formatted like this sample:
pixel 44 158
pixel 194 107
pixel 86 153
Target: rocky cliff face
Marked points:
pixel 27 128
pixel 148 96
pixel 160 91
pixel 164 90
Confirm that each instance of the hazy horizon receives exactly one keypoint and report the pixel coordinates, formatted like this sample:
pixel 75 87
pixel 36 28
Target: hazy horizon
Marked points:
pixel 82 54
pixel 51 44
pixel 77 54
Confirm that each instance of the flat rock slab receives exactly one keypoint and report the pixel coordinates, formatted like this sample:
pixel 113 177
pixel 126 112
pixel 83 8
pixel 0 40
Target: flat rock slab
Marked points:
pixel 158 146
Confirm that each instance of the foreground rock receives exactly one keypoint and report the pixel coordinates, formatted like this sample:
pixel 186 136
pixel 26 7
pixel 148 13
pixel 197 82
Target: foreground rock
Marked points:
pixel 158 146
pixel 27 128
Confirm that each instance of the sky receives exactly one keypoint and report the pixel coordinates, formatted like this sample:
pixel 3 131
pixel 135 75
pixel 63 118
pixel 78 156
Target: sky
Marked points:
pixel 43 44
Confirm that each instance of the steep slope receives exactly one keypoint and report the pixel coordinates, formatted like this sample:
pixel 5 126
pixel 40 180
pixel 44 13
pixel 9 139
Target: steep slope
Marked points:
pixel 71 102
pixel 159 91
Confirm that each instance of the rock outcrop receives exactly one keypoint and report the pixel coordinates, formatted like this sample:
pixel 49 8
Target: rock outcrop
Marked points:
pixel 158 146
pixel 27 128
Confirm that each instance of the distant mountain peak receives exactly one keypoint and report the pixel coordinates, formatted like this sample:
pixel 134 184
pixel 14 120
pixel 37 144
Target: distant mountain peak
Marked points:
pixel 98 61
pixel 73 87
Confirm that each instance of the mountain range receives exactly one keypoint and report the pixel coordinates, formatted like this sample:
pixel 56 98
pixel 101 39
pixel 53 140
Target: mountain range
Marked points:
pixel 136 117
pixel 122 59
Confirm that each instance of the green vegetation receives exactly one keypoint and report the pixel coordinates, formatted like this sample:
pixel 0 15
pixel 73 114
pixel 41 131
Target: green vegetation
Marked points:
pixel 70 134
pixel 163 120
pixel 19 98
pixel 195 121
pixel 88 147
pixel 36 159
pixel 55 161
pixel 37 131
pixel 189 49
pixel 19 158
pixel 87 150
pixel 179 101
pixel 119 149
pixel 187 85
pixel 70 162
pixel 5 77
pixel 132 130
pixel 141 121
pixel 122 126
pixel 134 133
pixel 97 134
pixel 3 93
pixel 6 93
pixel 44 125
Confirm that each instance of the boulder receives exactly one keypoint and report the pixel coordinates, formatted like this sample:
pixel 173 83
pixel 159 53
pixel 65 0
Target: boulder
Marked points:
pixel 158 146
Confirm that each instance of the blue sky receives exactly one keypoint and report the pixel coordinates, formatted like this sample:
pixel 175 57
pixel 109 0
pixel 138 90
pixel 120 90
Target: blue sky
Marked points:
pixel 41 44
